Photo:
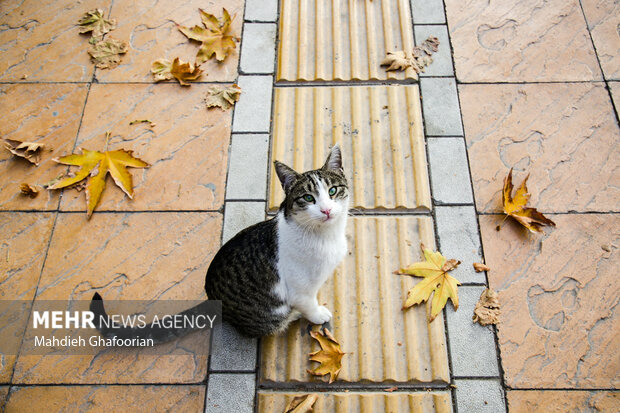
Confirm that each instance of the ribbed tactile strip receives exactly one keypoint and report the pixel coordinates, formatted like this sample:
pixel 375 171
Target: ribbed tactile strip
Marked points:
pixel 380 132
pixel 425 402
pixel 383 343
pixel 342 40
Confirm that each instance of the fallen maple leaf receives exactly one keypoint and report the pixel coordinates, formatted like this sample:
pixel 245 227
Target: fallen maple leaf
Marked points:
pixel 487 309
pixel 106 54
pixel 515 207
pixel 164 69
pixel 479 267
pixel 31 151
pixel 29 190
pixel 418 59
pixel 436 280
pixel 301 404
pixel 224 97
pixel 94 22
pixel 95 166
pixel 214 36
pixel 330 355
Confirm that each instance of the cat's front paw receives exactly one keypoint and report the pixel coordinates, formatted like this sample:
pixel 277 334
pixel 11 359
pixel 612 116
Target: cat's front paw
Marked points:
pixel 320 316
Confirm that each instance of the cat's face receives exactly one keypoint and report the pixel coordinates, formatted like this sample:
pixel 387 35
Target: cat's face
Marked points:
pixel 316 198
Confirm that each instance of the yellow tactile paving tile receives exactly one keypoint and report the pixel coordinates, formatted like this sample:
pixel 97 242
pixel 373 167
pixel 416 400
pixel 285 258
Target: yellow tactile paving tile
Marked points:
pixel 382 342
pixel 379 129
pixel 419 402
pixel 342 40
pixel 91 399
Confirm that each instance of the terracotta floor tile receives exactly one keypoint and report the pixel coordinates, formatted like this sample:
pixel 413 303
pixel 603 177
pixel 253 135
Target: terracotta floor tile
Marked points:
pixel 603 17
pixel 25 238
pixel 565 135
pixel 615 94
pixel 93 399
pixel 141 256
pixel 150 29
pixel 47 114
pixel 553 401
pixel 187 149
pixel 559 295
pixel 40 39
pixel 520 41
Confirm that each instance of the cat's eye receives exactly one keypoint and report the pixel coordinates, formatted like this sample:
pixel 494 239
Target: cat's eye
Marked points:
pixel 308 198
pixel 332 191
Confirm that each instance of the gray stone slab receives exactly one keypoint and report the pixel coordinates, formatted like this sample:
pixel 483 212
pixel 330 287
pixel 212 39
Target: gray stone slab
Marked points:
pixel 442 116
pixel 230 393
pixel 457 229
pixel 442 59
pixel 479 396
pixel 231 351
pixel 472 346
pixel 247 168
pixel 240 215
pixel 253 110
pixel 258 48
pixel 427 11
pixel 261 10
pixel 449 171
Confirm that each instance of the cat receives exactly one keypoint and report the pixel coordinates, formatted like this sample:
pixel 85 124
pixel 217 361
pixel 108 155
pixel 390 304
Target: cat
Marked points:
pixel 269 274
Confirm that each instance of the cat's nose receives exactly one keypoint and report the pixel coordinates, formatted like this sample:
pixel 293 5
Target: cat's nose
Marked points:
pixel 326 211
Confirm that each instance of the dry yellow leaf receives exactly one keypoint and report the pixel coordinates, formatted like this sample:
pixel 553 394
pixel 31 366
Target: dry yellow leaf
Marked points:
pixel 417 59
pixel 94 166
pixel 29 190
pixel 31 151
pixel 224 97
pixel 106 54
pixel 330 355
pixel 436 281
pixel 214 36
pixel 94 22
pixel 479 267
pixel 301 404
pixel 164 69
pixel 515 207
pixel 487 309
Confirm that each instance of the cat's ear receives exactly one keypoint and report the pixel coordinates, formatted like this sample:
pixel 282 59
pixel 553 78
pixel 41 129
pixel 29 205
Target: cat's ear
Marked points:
pixel 287 175
pixel 334 160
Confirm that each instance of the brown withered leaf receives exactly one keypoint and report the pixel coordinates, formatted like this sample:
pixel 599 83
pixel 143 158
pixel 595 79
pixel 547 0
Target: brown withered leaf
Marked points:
pixel 330 355
pixel 29 190
pixel 479 267
pixel 106 54
pixel 436 281
pixel 94 22
pixel 31 151
pixel 515 207
pixel 213 36
pixel 94 166
pixel 224 97
pixel 184 72
pixel 418 59
pixel 138 121
pixel 487 309
pixel 301 404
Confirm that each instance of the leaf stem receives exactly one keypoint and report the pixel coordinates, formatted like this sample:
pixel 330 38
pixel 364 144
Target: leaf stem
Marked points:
pixel 107 138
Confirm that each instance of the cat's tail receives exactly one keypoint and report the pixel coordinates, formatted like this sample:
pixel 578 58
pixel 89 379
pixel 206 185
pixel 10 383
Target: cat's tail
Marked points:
pixel 153 331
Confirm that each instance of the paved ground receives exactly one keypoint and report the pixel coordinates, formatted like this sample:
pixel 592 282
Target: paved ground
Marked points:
pixel 534 86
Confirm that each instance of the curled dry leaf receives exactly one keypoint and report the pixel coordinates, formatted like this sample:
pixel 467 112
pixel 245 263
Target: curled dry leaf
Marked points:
pixel 224 97
pixel 436 281
pixel 391 389
pixel 29 190
pixel 479 267
pixel 94 22
pixel 418 59
pixel 137 121
pixel 301 404
pixel 94 166
pixel 31 151
pixel 515 207
pixel 487 309
pixel 164 69
pixel 106 54
pixel 213 36
pixel 330 355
